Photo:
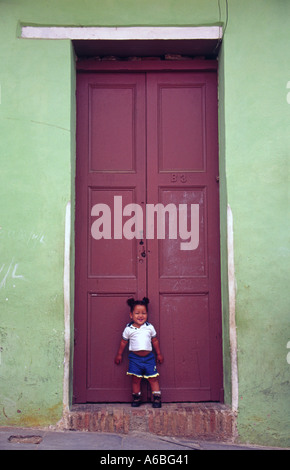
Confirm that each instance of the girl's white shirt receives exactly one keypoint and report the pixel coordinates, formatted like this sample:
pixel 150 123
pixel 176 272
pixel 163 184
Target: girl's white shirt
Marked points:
pixel 139 338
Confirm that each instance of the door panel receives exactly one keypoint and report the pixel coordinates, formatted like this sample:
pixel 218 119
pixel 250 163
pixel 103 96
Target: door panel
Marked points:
pixel 148 138
pixel 180 125
pixel 187 355
pixel 112 127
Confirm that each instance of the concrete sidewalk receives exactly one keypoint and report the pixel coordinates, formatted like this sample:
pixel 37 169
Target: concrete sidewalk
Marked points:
pixel 48 439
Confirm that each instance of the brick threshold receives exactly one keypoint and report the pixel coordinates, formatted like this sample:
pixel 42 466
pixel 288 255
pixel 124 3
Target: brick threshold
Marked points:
pixel 212 421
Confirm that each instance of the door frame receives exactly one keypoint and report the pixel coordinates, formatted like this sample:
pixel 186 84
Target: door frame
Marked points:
pixel 228 294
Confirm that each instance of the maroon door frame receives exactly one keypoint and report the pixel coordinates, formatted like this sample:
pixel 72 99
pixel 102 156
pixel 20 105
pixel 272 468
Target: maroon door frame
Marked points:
pixel 170 288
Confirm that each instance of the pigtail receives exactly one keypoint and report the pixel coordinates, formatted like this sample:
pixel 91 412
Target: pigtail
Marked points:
pixel 146 301
pixel 131 303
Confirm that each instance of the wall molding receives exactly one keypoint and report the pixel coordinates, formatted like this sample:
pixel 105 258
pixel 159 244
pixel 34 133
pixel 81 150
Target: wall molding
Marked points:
pixel 66 292
pixel 122 33
pixel 232 310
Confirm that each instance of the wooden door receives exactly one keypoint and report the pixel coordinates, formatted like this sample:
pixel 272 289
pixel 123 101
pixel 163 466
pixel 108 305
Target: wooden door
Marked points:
pixel 146 138
pixel 184 284
pixel 110 162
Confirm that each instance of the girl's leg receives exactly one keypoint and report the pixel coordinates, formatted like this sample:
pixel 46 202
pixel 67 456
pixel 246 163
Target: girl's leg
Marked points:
pixel 154 384
pixel 136 384
pixel 136 391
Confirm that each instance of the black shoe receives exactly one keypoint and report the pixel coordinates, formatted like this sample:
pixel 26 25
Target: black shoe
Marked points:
pixel 156 401
pixel 136 400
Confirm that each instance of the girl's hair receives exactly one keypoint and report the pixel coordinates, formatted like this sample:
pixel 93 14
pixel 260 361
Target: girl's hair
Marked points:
pixel 132 303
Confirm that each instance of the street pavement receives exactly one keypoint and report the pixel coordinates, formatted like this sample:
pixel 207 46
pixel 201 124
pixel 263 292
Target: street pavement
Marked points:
pixel 53 439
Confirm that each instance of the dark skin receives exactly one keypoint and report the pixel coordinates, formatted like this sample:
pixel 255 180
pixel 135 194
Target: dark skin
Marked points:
pixel 139 317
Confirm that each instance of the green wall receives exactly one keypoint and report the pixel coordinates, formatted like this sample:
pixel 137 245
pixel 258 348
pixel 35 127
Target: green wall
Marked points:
pixel 35 149
pixel 37 122
pixel 257 122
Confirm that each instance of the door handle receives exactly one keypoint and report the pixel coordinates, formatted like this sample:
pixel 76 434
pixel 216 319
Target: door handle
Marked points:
pixel 143 253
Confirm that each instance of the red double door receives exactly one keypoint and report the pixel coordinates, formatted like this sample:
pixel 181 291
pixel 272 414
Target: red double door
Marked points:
pixel 145 138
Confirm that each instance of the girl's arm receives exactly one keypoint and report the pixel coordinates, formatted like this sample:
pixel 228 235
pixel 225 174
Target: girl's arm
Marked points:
pixel 155 344
pixel 118 358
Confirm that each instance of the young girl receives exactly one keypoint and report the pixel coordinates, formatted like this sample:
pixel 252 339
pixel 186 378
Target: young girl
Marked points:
pixel 141 336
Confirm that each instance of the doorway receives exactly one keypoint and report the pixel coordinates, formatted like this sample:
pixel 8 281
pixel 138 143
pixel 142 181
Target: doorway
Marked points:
pixel 147 135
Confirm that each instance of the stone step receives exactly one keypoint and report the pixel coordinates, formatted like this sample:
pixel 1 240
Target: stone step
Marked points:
pixel 211 421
